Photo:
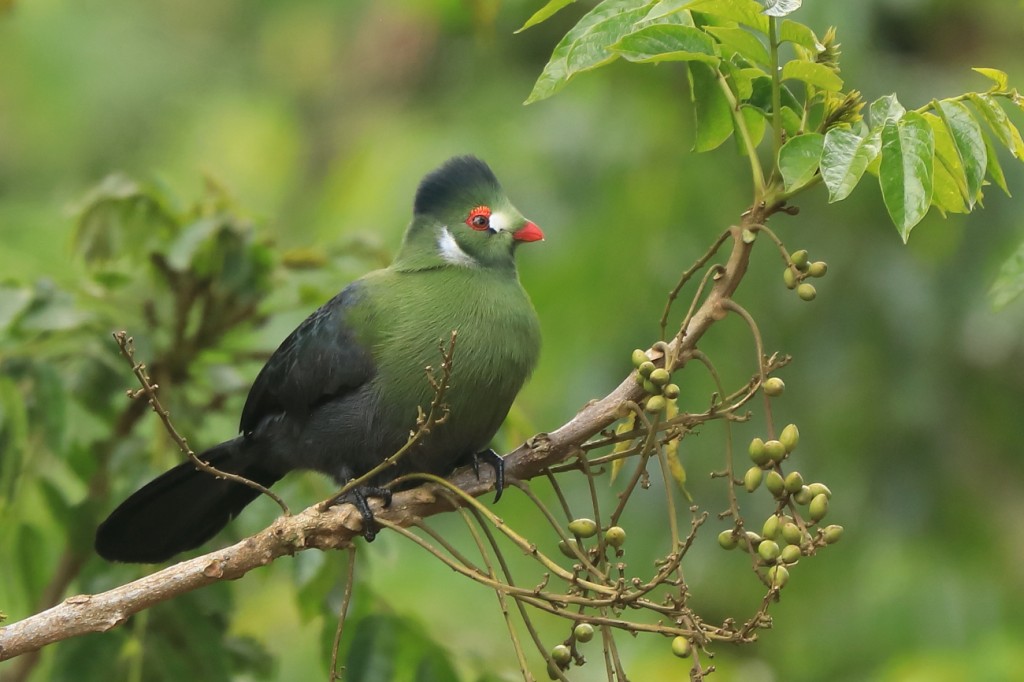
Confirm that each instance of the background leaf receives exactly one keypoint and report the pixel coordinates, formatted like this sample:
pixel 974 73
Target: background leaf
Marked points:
pixel 1009 283
pixel 713 112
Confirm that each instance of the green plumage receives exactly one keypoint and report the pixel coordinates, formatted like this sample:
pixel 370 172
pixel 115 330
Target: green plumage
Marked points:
pixel 343 391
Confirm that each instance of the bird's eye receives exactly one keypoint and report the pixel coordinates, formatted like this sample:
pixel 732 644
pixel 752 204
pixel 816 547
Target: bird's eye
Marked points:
pixel 479 218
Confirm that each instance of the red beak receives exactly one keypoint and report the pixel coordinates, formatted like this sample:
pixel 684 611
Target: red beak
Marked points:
pixel 528 233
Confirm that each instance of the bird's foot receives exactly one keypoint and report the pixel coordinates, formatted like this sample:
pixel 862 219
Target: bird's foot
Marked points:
pixel 492 458
pixel 358 497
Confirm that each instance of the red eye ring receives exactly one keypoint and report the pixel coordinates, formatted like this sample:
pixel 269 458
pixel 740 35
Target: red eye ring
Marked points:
pixel 479 218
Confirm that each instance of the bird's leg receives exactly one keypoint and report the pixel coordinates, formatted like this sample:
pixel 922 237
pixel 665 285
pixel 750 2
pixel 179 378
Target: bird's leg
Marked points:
pixel 489 456
pixel 358 497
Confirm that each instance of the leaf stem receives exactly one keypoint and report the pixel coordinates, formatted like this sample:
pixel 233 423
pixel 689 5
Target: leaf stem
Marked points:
pixel 756 171
pixel 773 40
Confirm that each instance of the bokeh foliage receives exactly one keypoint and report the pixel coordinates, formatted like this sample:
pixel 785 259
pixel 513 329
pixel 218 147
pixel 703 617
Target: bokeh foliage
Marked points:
pixel 319 117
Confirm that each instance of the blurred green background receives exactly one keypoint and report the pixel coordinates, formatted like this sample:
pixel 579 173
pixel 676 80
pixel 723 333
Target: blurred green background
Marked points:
pixel 319 118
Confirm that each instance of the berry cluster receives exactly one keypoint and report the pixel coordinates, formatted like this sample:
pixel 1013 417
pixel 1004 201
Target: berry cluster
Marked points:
pixel 800 268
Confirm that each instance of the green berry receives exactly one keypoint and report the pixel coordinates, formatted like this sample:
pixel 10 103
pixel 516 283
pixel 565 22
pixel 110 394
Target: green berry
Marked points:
pixel 585 528
pixel 752 479
pixel 820 489
pixel 561 654
pixel 778 576
pixel 770 529
pixel 803 496
pixel 776 450
pixel 681 647
pixel 753 539
pixel 671 391
pixel 794 481
pixel 660 376
pixel 792 534
pixel 799 259
pixel 806 291
pixel 789 276
pixel 790 554
pixel 818 507
pixel 649 387
pixel 566 548
pixel 769 550
pixel 832 533
pixel 645 368
pixel 639 357
pixel 727 539
pixel 774 386
pixel 615 536
pixel 790 436
pixel 553 672
pixel 584 632
pixel 655 404
pixel 757 452
pixel 775 483
pixel 817 269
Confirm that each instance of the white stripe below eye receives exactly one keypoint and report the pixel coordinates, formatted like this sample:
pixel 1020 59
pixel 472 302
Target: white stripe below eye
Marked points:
pixel 452 252
pixel 499 222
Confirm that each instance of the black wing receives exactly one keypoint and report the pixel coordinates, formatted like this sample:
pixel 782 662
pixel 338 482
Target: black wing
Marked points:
pixel 319 360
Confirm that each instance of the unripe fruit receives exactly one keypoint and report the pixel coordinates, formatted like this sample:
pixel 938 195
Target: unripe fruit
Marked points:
pixel 790 436
pixel 681 647
pixel 561 654
pixel 584 632
pixel 655 404
pixel 790 554
pixel 803 496
pixel 757 452
pixel 752 479
pixel 769 550
pixel 639 357
pixel 806 291
pixel 753 539
pixel 615 536
pixel 817 269
pixel 649 387
pixel 776 450
pixel 727 539
pixel 774 386
pixel 770 529
pixel 832 533
pixel 818 507
pixel 794 481
pixel 585 528
pixel 799 259
pixel 671 391
pixel 566 548
pixel 660 376
pixel 792 534
pixel 775 483
pixel 778 576
pixel 820 489
pixel 645 368
pixel 789 277
pixel 553 673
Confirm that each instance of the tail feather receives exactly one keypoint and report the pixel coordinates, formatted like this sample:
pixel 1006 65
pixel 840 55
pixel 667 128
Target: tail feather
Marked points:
pixel 182 508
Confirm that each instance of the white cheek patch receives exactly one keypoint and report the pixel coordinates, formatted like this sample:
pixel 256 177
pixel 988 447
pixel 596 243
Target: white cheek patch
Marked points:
pixel 499 222
pixel 452 252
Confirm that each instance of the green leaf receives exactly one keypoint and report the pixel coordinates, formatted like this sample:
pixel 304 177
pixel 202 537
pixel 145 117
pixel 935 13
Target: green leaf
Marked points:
pixel 1009 283
pixel 969 142
pixel 799 158
pixel 794 32
pixel 713 112
pixel 844 158
pixel 747 12
pixel 585 46
pixel 780 8
pixel 667 42
pixel 884 109
pixel 1000 78
pixel 950 184
pixel 992 168
pixel 906 171
pixel 812 73
pixel 545 13
pixel 670 8
pixel 755 122
pixel 736 40
pixel 999 122
pixel 13 301
pixel 189 241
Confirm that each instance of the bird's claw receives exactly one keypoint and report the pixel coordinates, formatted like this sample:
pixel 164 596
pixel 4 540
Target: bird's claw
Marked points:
pixel 358 496
pixel 496 462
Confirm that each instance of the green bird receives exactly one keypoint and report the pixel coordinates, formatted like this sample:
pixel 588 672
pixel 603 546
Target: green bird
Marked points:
pixel 342 391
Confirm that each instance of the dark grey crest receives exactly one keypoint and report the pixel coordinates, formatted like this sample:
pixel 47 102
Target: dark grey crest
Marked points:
pixel 460 180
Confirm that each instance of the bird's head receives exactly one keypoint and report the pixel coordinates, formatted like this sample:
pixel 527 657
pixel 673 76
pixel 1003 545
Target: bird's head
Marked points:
pixel 461 217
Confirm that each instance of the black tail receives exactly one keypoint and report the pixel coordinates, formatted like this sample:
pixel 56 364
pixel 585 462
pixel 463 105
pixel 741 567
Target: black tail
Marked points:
pixel 183 508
